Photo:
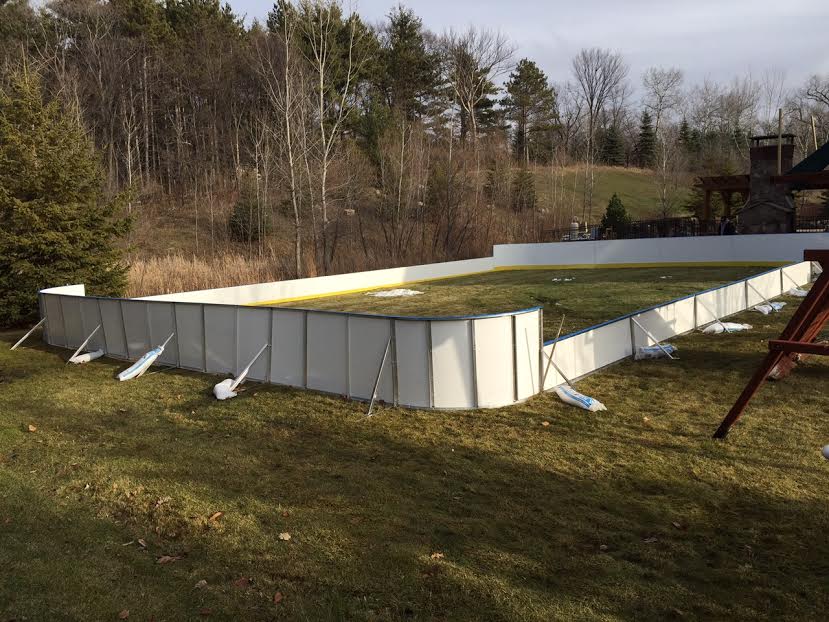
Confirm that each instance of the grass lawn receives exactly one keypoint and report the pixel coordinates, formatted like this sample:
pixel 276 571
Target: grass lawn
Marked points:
pixel 637 188
pixel 593 296
pixel 414 515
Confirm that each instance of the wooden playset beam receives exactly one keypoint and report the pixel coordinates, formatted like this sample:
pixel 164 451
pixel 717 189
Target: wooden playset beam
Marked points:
pixel 797 338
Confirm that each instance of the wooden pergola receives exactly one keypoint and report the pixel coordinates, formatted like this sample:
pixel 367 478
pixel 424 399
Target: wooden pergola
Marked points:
pixel 726 185
pixel 808 174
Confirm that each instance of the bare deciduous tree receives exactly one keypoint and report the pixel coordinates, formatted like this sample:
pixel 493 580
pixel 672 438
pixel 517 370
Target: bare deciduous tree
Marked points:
pixel 474 59
pixel 663 92
pixel 598 74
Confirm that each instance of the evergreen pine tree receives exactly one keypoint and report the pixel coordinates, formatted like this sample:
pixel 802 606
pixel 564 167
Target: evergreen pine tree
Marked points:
pixel 646 143
pixel 616 217
pixel 613 151
pixel 249 220
pixel 685 138
pixel 530 104
pixel 523 191
pixel 58 227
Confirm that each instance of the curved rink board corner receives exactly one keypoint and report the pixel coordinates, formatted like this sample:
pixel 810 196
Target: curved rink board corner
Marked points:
pixel 432 362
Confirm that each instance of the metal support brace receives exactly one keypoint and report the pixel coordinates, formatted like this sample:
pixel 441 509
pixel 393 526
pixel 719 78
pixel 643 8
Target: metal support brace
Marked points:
pixel 377 380
pixel 26 336
pixel 552 353
pixel 85 341
pixel 655 340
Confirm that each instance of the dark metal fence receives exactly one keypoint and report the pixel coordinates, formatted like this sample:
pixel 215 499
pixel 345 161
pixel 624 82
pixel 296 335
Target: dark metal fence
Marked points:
pixel 658 228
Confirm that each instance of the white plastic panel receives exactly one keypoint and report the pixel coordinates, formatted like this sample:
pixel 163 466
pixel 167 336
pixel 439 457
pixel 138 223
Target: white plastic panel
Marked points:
pixel 254 331
pixel 113 327
pixel 723 302
pixel 72 320
pixel 797 275
pixel 190 335
pixel 527 346
pixel 220 339
pixel 327 352
pixel 664 322
pixel 494 361
pixel 412 339
pixel 135 327
pixel 367 340
pixel 162 325
pixel 452 364
pixel 288 348
pixel 55 334
pixel 763 287
pixel 600 347
pixel 565 358
pixel 91 317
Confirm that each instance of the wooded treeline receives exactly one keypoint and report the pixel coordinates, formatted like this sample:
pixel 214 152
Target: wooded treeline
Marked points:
pixel 332 144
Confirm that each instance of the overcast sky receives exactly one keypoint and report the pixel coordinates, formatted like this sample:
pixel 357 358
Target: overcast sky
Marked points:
pixel 705 38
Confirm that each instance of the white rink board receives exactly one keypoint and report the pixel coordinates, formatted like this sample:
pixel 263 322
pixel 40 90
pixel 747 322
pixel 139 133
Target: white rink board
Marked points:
pixel 494 361
pixel 367 341
pixel 135 327
pixel 254 331
pixel 527 345
pixel 288 347
pixel 664 322
pixel 220 339
pixel 190 335
pixel 452 364
pixel 91 315
pixel 413 363
pixel 113 327
pixel 763 287
pixel 327 351
pixel 162 325
pixel 601 346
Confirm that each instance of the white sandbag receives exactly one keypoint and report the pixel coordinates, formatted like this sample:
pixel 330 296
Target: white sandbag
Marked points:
pixel 653 352
pixel 725 327
pixel 394 293
pixel 772 307
pixel 797 292
pixel 141 365
pixel 86 357
pixel 574 398
pixel 224 390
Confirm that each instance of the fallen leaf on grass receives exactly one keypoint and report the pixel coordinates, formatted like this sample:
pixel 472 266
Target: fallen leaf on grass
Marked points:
pixel 168 559
pixel 32 428
pixel 602 547
pixel 436 555
pixel 142 543
pixel 128 543
pixel 205 611
pixel 650 540
pixel 545 423
pixel 242 583
pixel 678 525
pixel 124 614
pixel 216 516
pixel 277 598
pixel 200 584
pixel 285 536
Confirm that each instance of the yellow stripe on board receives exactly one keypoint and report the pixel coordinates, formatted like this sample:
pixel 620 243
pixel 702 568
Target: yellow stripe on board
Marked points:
pixel 362 289
pixel 582 266
pixel 683 264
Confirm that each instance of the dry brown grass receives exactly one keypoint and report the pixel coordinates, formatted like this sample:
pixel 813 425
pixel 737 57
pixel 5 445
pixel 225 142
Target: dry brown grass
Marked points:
pixel 177 273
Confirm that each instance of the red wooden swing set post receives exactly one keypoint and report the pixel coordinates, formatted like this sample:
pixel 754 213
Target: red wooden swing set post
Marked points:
pixel 796 339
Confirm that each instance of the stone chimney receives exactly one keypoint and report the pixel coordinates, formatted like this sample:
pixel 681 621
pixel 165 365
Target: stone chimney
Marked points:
pixel 770 207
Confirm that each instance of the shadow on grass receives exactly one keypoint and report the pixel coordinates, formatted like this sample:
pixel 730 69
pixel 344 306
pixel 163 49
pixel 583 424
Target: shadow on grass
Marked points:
pixel 574 520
